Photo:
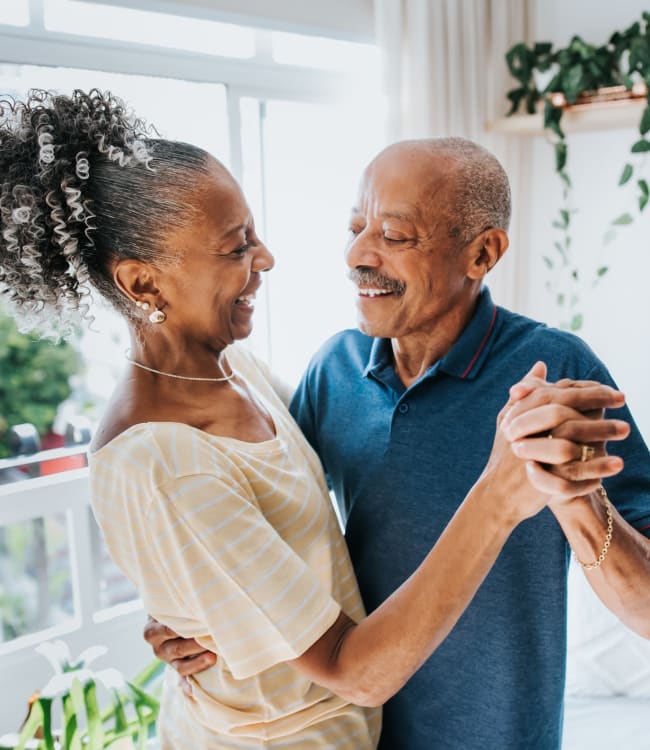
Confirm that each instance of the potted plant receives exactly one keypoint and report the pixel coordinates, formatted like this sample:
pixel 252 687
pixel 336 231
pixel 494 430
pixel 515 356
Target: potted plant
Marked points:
pixel 125 723
pixel 577 75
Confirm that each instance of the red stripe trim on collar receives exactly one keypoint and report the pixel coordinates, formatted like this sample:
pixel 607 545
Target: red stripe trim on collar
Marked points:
pixel 483 343
pixel 644 528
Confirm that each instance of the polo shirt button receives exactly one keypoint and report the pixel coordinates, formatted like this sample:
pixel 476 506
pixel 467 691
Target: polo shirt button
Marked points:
pixel 403 407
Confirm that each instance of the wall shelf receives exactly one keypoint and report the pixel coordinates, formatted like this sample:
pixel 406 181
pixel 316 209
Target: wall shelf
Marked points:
pixel 580 118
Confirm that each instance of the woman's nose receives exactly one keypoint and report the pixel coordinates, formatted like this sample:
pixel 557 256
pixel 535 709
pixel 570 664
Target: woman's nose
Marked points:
pixel 263 260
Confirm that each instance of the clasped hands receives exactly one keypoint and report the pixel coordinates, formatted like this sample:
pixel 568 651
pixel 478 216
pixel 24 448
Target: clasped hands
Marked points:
pixel 560 431
pixel 552 435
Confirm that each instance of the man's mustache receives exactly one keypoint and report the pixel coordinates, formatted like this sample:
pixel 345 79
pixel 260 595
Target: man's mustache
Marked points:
pixel 370 278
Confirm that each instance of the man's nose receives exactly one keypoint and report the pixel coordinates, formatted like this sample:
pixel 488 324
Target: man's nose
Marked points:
pixel 361 252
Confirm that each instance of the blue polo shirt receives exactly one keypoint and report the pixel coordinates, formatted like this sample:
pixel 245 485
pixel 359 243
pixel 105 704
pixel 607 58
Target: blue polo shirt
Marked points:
pixel 400 461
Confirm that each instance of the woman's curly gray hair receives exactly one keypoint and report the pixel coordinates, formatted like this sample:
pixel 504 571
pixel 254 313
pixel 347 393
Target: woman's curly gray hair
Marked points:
pixel 82 184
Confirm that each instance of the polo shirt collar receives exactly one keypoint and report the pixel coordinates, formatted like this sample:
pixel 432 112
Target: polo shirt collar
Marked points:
pixel 464 360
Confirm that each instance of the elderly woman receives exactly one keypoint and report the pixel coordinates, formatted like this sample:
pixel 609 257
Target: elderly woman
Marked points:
pixel 208 496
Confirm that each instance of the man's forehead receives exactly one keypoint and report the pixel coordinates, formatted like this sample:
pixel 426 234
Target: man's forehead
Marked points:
pixel 406 212
pixel 401 193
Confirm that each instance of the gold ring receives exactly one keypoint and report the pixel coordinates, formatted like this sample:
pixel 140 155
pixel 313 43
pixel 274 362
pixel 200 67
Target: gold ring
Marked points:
pixel 587 452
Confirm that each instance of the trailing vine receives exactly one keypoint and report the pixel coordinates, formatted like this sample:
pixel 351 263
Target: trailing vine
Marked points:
pixel 575 73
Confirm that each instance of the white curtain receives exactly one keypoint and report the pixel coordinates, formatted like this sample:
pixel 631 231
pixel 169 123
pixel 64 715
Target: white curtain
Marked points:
pixel 445 74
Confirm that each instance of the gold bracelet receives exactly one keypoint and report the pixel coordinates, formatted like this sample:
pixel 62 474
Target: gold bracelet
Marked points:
pixel 608 538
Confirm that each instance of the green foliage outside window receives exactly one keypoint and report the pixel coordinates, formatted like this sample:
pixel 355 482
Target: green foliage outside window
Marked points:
pixel 34 379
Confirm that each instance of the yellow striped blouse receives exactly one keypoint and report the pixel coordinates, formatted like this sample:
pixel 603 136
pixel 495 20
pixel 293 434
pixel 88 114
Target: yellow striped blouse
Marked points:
pixel 237 545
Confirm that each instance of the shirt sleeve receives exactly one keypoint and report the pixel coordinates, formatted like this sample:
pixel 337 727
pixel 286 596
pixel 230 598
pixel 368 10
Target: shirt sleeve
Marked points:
pixel 629 490
pixel 232 572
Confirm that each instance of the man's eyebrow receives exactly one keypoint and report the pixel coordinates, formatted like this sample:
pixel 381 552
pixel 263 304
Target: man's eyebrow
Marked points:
pixel 399 216
pixel 410 217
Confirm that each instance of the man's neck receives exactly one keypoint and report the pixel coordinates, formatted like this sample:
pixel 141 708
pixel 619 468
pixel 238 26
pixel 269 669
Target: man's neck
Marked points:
pixel 415 353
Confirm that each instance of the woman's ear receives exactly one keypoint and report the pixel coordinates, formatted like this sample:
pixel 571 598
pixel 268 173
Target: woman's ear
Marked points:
pixel 485 252
pixel 136 280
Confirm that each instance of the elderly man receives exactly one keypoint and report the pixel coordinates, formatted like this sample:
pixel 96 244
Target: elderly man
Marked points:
pixel 402 414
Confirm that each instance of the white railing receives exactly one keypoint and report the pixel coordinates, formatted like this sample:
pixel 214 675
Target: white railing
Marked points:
pixel 22 671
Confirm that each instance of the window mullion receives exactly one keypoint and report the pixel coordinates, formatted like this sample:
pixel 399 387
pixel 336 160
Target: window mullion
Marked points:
pixel 37 14
pixel 233 97
pixel 83 560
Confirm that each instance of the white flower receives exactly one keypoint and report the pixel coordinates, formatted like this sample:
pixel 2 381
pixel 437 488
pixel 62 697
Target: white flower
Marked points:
pixel 111 679
pixel 89 656
pixel 57 653
pixel 61 684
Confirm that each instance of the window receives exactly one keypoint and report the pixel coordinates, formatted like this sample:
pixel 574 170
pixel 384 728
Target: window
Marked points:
pixel 325 54
pixel 197 113
pixel 161 30
pixel 36 582
pixel 15 13
pixel 307 185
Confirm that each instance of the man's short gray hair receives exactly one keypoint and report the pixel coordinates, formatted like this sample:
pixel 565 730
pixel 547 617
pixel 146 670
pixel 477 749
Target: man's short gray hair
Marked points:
pixel 479 196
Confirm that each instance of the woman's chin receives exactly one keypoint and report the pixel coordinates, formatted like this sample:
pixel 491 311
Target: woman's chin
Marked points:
pixel 242 331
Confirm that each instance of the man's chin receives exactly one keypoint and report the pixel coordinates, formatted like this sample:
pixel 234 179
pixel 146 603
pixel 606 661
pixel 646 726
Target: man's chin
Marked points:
pixel 374 329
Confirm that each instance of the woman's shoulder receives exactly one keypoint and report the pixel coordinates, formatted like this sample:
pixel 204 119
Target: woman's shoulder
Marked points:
pixel 159 452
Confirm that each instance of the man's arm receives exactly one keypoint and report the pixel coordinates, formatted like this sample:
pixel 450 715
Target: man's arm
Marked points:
pixel 185 655
pixel 622 579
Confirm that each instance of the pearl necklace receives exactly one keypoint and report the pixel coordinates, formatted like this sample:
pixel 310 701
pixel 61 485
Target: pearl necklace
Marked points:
pixel 178 377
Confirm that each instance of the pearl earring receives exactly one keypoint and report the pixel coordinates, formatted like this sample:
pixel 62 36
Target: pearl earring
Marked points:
pixel 142 305
pixel 157 316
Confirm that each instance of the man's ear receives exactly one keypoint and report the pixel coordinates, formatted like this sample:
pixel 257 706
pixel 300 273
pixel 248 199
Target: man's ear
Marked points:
pixel 136 280
pixel 484 252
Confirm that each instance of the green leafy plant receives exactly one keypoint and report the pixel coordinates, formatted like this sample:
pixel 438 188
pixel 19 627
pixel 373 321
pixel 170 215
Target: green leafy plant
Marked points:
pixel 128 721
pixel 575 73
pixel 34 378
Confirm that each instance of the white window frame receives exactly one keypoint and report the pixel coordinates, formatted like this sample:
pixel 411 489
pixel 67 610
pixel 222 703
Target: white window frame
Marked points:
pixel 258 76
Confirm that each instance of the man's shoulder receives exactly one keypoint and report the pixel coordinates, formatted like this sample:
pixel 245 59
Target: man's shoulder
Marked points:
pixel 564 352
pixel 344 350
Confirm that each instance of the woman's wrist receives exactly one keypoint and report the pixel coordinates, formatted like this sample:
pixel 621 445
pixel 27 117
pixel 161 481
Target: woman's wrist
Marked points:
pixel 495 505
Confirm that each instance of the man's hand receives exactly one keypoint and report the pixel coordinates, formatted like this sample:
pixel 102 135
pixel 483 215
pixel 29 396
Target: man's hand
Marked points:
pixel 185 655
pixel 571 413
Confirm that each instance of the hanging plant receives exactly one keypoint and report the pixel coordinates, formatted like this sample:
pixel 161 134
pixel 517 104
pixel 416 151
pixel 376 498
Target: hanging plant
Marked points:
pixel 579 74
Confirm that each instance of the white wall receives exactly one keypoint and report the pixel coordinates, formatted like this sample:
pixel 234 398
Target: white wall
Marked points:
pixel 595 20
pixel 617 310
